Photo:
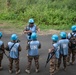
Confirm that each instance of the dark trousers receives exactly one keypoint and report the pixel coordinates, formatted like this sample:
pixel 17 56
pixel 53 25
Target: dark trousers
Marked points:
pixel 36 59
pixel 64 60
pixel 73 52
pixel 11 60
pixel 1 57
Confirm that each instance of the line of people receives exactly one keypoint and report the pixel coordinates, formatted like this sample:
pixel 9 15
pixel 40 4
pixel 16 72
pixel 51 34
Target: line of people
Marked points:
pixel 60 48
pixel 63 48
pixel 14 48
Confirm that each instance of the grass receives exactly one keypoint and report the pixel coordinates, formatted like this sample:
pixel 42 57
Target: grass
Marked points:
pixel 48 14
pixel 15 26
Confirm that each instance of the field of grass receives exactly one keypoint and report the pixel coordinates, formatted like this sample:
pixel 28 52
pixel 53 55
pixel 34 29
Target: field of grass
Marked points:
pixel 48 14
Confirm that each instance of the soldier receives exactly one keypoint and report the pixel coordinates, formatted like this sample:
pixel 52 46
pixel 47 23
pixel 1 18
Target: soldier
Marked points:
pixel 30 28
pixel 33 52
pixel 1 50
pixel 55 51
pixel 64 42
pixel 14 48
pixel 72 47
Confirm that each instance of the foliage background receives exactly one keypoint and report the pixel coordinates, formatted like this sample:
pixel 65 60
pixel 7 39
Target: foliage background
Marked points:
pixel 48 14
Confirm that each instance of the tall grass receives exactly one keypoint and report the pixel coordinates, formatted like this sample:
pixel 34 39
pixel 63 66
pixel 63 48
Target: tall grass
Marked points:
pixel 55 14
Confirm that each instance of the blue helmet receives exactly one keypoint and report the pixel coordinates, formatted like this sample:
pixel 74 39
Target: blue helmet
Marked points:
pixel 34 36
pixel 63 34
pixel 31 21
pixel 73 28
pixel 0 34
pixel 14 37
pixel 54 37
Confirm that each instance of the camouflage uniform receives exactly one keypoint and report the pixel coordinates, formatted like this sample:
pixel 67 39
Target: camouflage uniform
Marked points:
pixel 1 53
pixel 73 52
pixel 1 57
pixel 32 55
pixel 63 52
pixel 11 60
pixel 53 65
pixel 72 48
pixel 64 60
pixel 36 59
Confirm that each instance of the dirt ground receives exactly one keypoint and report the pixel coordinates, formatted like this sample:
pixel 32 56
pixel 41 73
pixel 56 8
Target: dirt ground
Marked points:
pixel 5 28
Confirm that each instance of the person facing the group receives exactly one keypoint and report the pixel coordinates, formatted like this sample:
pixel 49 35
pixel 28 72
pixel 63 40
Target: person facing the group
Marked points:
pixel 54 51
pixel 64 45
pixel 33 52
pixel 30 28
pixel 14 48
pixel 1 50
pixel 72 47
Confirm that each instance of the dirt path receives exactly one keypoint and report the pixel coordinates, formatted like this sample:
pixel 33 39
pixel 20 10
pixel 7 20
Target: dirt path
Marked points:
pixel 5 28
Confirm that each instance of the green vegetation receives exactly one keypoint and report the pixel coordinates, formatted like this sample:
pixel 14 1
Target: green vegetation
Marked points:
pixel 48 14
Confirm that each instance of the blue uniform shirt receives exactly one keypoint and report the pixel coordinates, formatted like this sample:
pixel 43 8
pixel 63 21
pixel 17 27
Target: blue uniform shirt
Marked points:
pixel 69 35
pixel 57 50
pixel 33 29
pixel 14 53
pixel 33 50
pixel 64 46
pixel 1 43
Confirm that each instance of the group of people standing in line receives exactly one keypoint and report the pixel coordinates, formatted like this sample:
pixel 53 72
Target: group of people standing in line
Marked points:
pixel 62 48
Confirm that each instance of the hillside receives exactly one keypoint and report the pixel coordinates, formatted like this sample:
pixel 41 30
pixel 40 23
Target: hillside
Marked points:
pixel 55 14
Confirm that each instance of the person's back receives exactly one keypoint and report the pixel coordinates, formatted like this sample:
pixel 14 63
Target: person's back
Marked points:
pixel 72 39
pixel 57 49
pixel 33 52
pixel 64 46
pixel 1 50
pixel 14 48
pixel 34 45
pixel 14 52
pixel 72 45
pixel 1 43
pixel 54 54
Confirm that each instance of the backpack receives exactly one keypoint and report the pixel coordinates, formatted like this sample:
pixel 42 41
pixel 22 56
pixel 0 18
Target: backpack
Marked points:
pixel 72 40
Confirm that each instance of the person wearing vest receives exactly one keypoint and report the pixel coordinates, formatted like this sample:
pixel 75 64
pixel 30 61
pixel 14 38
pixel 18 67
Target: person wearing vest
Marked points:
pixel 64 45
pixel 72 51
pixel 33 52
pixel 14 48
pixel 30 28
pixel 54 59
pixel 1 50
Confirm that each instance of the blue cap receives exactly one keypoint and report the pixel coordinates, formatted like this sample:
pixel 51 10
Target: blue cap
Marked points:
pixel 0 34
pixel 63 34
pixel 31 21
pixel 54 37
pixel 34 36
pixel 14 37
pixel 73 28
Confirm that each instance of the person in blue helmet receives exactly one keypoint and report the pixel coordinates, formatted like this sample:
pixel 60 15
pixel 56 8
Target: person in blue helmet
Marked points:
pixel 1 50
pixel 33 52
pixel 64 46
pixel 14 48
pixel 54 49
pixel 72 47
pixel 30 28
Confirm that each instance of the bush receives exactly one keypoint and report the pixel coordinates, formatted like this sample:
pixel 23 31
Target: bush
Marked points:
pixel 57 13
